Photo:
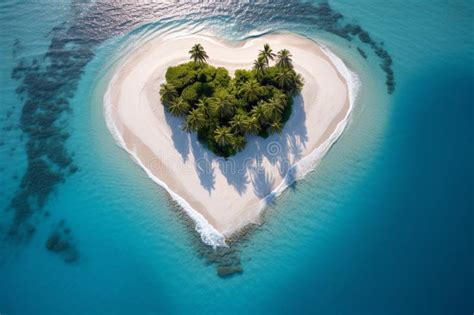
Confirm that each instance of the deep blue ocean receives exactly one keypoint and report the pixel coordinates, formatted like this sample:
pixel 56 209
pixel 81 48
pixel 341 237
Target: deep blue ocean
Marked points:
pixel 384 225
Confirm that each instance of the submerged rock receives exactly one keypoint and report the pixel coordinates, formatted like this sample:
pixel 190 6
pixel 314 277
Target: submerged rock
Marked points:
pixel 56 244
pixel 227 271
pixel 362 53
pixel 61 242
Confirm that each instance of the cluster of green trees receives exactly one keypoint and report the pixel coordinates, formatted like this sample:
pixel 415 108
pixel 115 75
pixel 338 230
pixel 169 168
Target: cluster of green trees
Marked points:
pixel 221 109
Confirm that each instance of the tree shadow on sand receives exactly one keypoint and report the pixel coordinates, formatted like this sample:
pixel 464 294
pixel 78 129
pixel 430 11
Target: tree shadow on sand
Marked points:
pixel 286 148
pixel 184 143
pixel 235 174
pixel 203 164
pixel 262 181
pixel 178 135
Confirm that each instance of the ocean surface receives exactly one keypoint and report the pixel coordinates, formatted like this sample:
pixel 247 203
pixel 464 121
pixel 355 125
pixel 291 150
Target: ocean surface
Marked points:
pixel 384 225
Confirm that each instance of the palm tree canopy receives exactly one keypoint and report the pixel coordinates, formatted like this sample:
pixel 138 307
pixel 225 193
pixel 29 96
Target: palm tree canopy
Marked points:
pixel 281 98
pixel 284 78
pixel 272 109
pixel 251 90
pixel 223 135
pixel 179 107
pixel 284 59
pixel 195 120
pixel 298 82
pixel 266 54
pixel 238 122
pixel 276 126
pixel 203 103
pixel 198 54
pixel 252 125
pixel 279 102
pixel 259 112
pixel 223 106
pixel 259 65
pixel 238 143
pixel 168 92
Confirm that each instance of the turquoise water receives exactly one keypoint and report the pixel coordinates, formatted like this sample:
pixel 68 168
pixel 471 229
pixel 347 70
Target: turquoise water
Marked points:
pixel 384 225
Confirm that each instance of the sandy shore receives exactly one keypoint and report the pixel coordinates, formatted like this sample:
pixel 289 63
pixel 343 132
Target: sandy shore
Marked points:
pixel 222 196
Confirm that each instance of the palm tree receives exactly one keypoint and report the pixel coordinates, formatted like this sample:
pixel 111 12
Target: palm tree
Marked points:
pixel 195 120
pixel 168 93
pixel 298 82
pixel 251 90
pixel 223 135
pixel 276 126
pixel 238 143
pixel 252 125
pixel 223 106
pixel 284 78
pixel 266 54
pixel 259 112
pixel 272 110
pixel 202 104
pixel 198 54
pixel 279 101
pixel 179 107
pixel 238 122
pixel 260 65
pixel 284 59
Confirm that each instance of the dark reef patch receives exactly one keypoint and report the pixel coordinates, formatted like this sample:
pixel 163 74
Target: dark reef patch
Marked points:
pixel 61 242
pixel 332 21
pixel 362 53
pixel 225 271
pixel 47 83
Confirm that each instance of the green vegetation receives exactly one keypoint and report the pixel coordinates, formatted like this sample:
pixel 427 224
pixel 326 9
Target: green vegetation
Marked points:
pixel 223 110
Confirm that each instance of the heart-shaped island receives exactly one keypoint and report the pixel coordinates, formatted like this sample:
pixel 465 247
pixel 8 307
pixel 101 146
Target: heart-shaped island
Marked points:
pixel 222 187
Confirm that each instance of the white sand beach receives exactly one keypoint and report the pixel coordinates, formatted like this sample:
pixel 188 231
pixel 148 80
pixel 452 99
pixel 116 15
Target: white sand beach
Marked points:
pixel 222 196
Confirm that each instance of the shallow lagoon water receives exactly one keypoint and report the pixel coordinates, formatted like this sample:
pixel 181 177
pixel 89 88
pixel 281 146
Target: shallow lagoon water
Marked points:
pixel 383 225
